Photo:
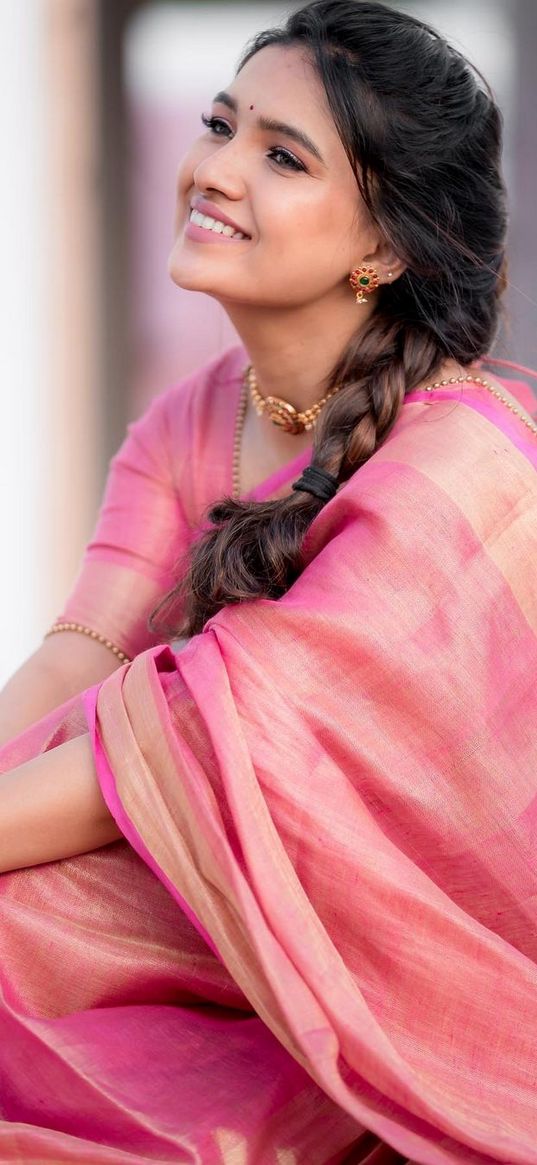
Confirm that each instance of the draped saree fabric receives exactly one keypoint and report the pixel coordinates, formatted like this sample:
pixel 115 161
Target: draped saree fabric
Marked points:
pixel 318 942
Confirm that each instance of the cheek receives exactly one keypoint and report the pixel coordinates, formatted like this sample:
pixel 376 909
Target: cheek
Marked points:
pixel 315 207
pixel 315 231
pixel 186 168
pixel 184 184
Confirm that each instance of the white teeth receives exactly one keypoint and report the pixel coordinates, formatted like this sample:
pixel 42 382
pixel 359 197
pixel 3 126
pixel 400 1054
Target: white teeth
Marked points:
pixel 214 224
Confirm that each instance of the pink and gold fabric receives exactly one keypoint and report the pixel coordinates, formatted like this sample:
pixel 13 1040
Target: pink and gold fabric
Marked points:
pixel 318 942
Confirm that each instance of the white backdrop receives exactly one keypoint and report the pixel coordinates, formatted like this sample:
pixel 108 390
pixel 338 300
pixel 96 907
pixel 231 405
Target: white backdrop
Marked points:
pixel 24 428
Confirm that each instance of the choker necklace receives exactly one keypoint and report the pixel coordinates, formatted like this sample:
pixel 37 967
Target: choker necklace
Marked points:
pixel 280 412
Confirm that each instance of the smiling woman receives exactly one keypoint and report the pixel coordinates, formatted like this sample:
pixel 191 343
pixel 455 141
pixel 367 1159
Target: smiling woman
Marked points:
pixel 262 894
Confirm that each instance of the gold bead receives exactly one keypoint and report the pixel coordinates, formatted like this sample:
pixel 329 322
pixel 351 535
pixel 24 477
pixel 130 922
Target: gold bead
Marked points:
pixel 70 626
pixel 485 384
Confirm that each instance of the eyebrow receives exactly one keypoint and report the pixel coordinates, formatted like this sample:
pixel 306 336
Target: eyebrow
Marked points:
pixel 272 126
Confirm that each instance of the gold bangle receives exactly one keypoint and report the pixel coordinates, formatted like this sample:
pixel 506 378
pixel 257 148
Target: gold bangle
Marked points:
pixel 92 635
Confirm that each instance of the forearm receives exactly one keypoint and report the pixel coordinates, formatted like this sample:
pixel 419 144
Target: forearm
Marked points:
pixel 51 807
pixel 30 693
pixel 63 666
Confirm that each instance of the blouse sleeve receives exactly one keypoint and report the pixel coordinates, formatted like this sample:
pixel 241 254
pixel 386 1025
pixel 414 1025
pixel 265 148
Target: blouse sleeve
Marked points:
pixel 140 534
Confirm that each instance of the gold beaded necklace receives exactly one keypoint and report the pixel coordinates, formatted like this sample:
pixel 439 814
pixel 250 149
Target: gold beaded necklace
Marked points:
pixel 237 441
pixel 484 384
pixel 247 385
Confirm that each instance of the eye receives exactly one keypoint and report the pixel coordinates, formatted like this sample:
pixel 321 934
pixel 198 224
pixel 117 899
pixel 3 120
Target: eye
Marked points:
pixel 289 160
pixel 283 158
pixel 212 123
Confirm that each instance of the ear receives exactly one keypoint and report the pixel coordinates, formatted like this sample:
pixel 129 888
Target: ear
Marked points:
pixel 383 258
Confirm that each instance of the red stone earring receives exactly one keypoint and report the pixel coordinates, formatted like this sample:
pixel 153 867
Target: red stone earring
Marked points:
pixel 363 281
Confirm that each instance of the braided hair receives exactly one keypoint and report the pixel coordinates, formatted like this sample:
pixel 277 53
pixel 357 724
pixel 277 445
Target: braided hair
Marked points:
pixel 423 137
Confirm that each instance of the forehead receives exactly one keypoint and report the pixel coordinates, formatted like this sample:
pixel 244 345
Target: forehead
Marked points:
pixel 281 82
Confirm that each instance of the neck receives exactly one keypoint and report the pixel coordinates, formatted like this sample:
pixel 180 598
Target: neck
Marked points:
pixel 294 351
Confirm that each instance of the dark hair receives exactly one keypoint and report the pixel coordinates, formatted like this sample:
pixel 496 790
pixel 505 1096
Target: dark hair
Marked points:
pixel 424 140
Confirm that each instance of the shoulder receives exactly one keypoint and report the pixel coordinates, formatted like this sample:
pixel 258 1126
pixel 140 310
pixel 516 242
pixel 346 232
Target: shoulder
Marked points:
pixel 189 429
pixel 174 406
pixel 193 412
pixel 185 430
pixel 191 396
pixel 465 463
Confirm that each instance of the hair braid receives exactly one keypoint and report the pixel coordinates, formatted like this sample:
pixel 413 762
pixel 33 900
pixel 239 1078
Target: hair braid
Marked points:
pixel 253 549
pixel 378 367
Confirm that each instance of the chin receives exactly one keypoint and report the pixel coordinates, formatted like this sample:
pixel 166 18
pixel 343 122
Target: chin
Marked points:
pixel 192 273
pixel 184 272
pixel 189 280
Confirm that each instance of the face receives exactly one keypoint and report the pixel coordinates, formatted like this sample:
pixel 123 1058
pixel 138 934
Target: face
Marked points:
pixel 289 190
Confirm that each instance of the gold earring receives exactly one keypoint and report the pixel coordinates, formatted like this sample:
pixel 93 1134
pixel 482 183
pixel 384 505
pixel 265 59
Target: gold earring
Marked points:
pixel 363 281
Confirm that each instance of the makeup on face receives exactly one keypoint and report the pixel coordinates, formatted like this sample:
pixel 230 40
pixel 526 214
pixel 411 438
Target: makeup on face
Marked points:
pixel 207 221
pixel 273 126
pixel 269 174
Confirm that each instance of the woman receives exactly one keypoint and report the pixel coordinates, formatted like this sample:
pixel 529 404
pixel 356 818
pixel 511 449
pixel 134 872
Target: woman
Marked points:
pixel 271 898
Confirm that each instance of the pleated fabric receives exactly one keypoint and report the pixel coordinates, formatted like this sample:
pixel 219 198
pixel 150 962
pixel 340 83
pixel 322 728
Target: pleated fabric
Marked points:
pixel 318 942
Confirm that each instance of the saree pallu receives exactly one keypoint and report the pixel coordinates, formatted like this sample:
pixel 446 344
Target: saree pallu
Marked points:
pixel 321 944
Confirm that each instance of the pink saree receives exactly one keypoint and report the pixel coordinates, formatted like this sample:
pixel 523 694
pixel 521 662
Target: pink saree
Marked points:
pixel 318 942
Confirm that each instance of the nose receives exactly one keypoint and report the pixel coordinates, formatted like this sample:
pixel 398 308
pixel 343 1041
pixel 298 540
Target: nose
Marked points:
pixel 221 170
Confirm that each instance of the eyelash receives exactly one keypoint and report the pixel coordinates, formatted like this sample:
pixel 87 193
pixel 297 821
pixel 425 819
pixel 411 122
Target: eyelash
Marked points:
pixel 292 163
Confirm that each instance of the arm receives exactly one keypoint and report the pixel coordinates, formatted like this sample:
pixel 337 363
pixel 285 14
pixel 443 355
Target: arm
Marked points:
pixel 60 668
pixel 127 566
pixel 51 807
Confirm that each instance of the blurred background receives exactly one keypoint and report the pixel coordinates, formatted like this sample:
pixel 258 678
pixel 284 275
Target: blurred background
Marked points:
pixel 100 99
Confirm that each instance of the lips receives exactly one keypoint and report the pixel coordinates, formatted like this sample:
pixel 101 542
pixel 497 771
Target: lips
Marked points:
pixel 209 208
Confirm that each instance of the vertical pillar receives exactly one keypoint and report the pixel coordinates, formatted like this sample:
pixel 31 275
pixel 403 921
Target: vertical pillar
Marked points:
pixel 521 332
pixel 22 217
pixel 72 277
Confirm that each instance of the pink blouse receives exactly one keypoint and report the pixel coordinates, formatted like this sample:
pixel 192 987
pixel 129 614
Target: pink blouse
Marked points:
pixel 175 461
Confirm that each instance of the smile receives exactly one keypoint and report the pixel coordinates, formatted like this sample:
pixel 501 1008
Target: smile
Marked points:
pixel 214 225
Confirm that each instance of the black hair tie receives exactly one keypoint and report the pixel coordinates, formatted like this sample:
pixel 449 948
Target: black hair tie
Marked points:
pixel 318 482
